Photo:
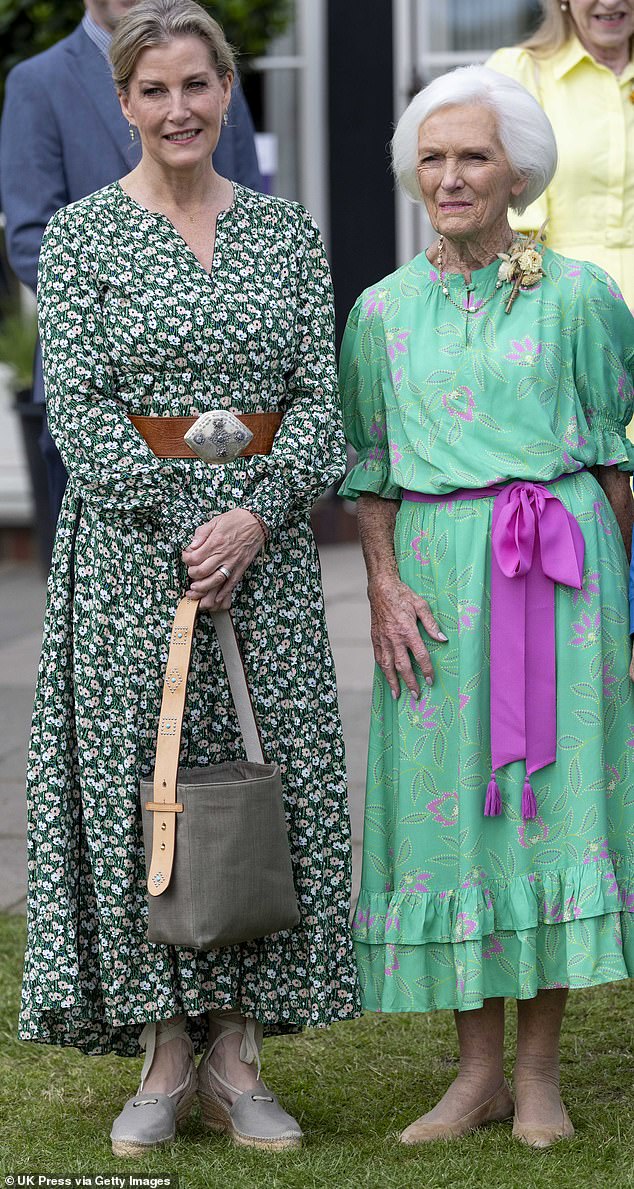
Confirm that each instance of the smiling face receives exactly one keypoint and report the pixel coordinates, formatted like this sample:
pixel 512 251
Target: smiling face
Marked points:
pixel 177 102
pixel 463 173
pixel 603 25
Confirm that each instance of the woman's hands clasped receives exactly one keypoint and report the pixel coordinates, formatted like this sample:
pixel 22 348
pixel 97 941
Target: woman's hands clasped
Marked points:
pixel 395 614
pixel 220 552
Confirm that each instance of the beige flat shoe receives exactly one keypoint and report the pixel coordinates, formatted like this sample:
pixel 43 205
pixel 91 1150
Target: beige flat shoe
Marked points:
pixel 543 1136
pixel 494 1110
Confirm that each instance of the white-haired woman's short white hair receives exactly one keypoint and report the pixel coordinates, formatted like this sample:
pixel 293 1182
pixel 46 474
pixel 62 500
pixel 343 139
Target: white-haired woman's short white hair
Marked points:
pixel 523 127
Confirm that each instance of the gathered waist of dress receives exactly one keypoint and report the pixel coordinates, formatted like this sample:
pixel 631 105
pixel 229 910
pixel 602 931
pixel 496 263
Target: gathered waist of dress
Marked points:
pixel 535 544
pixel 482 493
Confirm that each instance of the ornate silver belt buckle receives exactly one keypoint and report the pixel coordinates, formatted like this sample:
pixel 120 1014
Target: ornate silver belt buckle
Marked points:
pixel 218 436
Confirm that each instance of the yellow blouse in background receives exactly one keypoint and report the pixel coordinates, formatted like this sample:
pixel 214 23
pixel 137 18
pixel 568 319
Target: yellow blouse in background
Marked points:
pixel 590 203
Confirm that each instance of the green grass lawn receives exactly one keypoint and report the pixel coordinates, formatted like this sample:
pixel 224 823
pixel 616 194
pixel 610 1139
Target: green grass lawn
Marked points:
pixel 353 1088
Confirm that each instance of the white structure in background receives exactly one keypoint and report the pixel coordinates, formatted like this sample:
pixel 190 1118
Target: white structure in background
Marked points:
pixel 295 108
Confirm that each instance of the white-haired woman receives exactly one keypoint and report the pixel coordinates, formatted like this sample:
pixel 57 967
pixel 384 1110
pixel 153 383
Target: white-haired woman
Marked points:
pixel 579 65
pixel 486 388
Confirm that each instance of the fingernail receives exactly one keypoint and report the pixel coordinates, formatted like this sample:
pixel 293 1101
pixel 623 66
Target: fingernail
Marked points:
pixel 442 636
pixel 429 680
pixel 394 695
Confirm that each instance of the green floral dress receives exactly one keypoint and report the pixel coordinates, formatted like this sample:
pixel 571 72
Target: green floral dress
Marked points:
pixel 130 322
pixel 455 906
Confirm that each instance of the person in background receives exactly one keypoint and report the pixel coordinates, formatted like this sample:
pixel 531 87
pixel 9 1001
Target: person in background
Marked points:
pixel 63 136
pixel 486 387
pixel 579 66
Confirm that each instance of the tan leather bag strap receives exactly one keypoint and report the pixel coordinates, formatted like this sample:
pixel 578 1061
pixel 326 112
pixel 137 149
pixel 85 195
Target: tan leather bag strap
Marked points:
pixel 164 807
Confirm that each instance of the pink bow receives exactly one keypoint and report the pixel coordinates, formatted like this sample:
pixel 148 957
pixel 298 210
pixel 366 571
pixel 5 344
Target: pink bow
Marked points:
pixel 535 543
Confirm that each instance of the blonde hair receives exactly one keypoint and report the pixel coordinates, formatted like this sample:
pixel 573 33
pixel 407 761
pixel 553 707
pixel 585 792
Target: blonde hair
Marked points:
pixel 556 28
pixel 524 129
pixel 155 22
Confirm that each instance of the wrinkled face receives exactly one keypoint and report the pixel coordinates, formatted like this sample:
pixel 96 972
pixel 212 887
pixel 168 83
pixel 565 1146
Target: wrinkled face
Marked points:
pixel 463 172
pixel 108 12
pixel 177 101
pixel 603 24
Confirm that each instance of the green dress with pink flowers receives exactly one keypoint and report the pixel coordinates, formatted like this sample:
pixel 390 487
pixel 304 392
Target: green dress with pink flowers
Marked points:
pixel 456 906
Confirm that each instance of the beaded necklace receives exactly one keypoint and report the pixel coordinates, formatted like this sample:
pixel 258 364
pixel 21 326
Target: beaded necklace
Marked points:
pixel 464 309
pixel 521 266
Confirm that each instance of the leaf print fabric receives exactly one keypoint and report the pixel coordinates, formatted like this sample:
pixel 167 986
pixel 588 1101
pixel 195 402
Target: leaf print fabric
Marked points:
pixel 131 323
pixel 456 907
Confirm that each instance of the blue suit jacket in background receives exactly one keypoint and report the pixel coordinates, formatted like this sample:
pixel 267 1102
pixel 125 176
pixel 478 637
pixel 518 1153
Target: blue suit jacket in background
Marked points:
pixel 63 136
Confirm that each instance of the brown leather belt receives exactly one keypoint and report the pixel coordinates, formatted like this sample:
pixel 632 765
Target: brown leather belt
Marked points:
pixel 165 435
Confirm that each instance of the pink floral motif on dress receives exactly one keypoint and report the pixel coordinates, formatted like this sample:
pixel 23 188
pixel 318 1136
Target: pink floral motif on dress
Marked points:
pixel 597 852
pixel 377 430
pixel 459 402
pixel 394 964
pixel 590 587
pixel 587 630
pixel 598 511
pixel 420 883
pixel 396 454
pixel 464 700
pixel 556 914
pixel 363 918
pixel 466 615
pixel 375 302
pixel 416 546
pixel 525 352
pixel 465 926
pixel 532 832
pixel 494 949
pixel 444 809
pixel 423 713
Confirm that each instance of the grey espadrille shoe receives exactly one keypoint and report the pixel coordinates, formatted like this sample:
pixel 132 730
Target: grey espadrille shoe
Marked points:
pixel 256 1119
pixel 149 1120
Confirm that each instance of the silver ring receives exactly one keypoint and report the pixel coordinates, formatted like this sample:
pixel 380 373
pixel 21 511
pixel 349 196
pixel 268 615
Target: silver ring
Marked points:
pixel 225 571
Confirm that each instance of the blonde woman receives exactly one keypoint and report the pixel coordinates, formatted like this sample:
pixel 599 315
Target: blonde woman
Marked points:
pixel 170 292
pixel 579 66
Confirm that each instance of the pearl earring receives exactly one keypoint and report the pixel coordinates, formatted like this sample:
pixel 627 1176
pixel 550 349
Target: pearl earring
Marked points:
pixel 564 5
pixel 132 132
pixel 225 118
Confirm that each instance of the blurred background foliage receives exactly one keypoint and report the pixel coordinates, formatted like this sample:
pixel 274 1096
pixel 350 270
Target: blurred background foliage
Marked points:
pixel 29 26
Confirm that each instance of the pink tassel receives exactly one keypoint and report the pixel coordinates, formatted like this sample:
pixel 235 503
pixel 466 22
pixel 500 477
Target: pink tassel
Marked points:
pixel 493 803
pixel 529 804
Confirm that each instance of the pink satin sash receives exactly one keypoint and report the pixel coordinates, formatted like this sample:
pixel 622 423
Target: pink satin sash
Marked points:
pixel 535 542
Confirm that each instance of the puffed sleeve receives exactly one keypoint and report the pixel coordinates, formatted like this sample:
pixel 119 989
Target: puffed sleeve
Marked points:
pixel 517 63
pixel 308 453
pixel 109 465
pixel 362 374
pixel 603 361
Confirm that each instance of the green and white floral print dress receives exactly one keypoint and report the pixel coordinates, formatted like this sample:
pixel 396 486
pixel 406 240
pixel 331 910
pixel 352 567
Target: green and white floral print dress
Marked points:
pixel 456 907
pixel 131 323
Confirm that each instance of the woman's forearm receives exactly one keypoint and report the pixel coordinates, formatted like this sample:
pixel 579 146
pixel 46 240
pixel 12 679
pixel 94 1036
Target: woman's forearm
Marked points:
pixel 618 490
pixel 377 519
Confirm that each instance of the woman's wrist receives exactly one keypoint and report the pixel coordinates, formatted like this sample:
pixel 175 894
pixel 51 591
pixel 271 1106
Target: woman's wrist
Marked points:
pixel 262 523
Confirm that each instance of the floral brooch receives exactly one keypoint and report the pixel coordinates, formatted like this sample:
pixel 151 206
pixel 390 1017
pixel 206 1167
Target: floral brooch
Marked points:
pixel 523 264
